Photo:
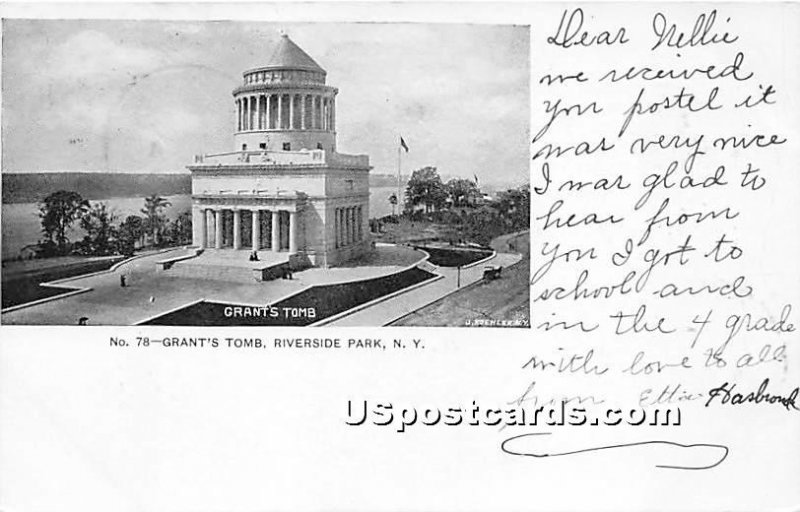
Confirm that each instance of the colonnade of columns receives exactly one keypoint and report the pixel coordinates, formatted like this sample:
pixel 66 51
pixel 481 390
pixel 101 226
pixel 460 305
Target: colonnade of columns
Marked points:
pixel 275 230
pixel 285 111
pixel 349 225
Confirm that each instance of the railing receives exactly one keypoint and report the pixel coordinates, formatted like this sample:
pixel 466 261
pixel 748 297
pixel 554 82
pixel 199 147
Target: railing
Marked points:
pixel 303 157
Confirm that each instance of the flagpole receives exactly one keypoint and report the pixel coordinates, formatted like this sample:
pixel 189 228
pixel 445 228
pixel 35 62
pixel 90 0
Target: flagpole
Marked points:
pixel 398 180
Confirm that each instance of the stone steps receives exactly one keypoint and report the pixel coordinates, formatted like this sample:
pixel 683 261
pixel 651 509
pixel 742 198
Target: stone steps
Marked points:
pixel 212 272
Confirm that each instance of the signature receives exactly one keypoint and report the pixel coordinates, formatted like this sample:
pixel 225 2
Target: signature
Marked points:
pixel 690 447
pixel 757 397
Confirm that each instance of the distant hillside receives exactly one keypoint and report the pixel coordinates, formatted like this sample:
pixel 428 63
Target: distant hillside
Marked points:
pixel 386 180
pixel 33 187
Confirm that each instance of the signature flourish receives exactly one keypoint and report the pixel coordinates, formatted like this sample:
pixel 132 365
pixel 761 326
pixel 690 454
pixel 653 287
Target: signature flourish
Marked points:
pixel 723 450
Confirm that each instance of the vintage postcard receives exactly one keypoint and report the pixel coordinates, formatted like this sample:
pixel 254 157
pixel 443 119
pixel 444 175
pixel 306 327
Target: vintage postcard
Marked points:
pixel 265 174
pixel 607 189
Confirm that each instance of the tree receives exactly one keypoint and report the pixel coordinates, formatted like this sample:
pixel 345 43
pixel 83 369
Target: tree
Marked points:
pixel 425 188
pixel 462 192
pixel 154 216
pixel 514 206
pixel 130 231
pixel 100 232
pixel 58 213
pixel 180 230
pixel 484 224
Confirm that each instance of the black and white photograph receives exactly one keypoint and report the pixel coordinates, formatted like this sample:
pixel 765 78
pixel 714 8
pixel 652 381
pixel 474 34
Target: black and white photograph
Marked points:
pixel 241 173
pixel 549 250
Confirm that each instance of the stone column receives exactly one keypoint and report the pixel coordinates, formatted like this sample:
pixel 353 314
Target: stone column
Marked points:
pixel 258 112
pixel 321 109
pixel 359 224
pixel 249 101
pixel 276 231
pixel 266 112
pixel 198 227
pixel 279 125
pixel 344 226
pixel 356 229
pixel 291 111
pixel 248 115
pixel 203 230
pixel 345 239
pixel 333 115
pixel 351 213
pixel 336 227
pixel 256 229
pixel 353 223
pixel 253 117
pixel 303 111
pixel 209 213
pixel 237 229
pixel 218 229
pixel 342 241
pixel 264 121
pixel 292 232
pixel 347 228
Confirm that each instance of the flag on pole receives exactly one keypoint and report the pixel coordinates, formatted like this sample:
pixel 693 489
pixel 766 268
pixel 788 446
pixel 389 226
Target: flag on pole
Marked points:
pixel 403 144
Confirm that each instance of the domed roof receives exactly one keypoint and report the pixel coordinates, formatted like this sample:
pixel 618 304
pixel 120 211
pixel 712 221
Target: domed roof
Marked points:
pixel 290 56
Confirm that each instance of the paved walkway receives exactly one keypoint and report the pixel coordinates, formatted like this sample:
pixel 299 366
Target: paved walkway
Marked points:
pixel 231 258
pixel 391 309
pixel 150 293
pixel 504 301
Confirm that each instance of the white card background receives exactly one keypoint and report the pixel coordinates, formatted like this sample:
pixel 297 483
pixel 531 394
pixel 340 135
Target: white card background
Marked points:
pixel 84 426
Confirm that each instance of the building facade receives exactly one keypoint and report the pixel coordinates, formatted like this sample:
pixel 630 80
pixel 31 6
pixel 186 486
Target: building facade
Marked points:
pixel 284 188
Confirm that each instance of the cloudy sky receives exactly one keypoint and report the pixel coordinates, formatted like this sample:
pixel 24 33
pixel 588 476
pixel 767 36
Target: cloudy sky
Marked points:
pixel 145 96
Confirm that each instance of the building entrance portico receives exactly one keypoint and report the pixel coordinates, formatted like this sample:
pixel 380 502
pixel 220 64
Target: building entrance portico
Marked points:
pixel 252 228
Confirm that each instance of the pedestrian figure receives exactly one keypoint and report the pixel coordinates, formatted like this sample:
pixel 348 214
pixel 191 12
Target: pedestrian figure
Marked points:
pixel 122 281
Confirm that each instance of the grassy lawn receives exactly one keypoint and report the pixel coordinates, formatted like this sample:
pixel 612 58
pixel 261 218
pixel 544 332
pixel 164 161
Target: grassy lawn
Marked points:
pixel 21 280
pixel 501 302
pixel 326 301
pixel 407 231
pixel 452 257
